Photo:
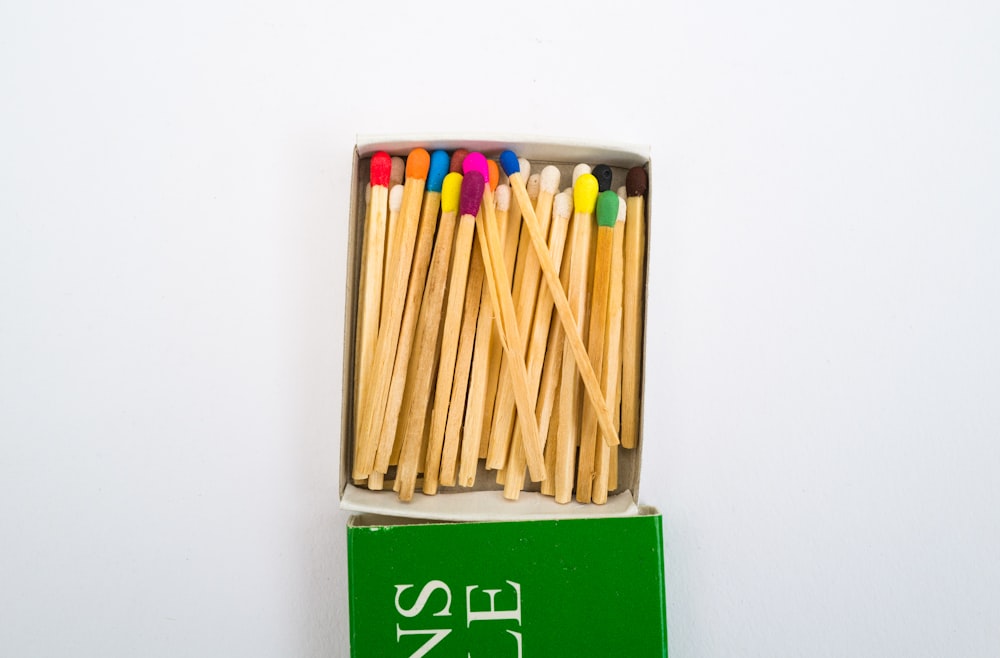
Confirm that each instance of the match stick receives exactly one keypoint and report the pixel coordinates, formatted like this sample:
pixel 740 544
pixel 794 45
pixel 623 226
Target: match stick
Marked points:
pixel 548 392
pixel 475 406
pixel 513 345
pixel 605 462
pixel 463 366
pixel 396 173
pixel 632 303
pixel 372 255
pixel 400 254
pixel 538 351
pixel 451 333
pixel 607 214
pixel 527 275
pixel 453 435
pixel 436 176
pixel 458 256
pixel 583 228
pixel 392 225
pixel 508 160
pixel 509 226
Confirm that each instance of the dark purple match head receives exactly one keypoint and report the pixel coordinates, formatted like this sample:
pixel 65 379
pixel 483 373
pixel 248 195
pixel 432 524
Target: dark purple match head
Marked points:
pixel 472 193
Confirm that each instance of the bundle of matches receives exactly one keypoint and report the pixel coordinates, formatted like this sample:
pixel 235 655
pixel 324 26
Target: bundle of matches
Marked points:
pixel 499 325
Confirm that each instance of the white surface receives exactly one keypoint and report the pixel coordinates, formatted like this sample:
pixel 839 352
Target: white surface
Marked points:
pixel 824 301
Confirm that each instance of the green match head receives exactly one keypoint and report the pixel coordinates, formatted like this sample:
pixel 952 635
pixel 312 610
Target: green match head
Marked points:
pixel 607 208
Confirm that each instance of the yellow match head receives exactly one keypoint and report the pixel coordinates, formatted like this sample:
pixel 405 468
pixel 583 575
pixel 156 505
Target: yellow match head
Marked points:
pixel 451 191
pixel 585 194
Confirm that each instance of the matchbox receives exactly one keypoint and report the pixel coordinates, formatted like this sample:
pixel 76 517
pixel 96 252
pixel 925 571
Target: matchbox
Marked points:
pixel 569 587
pixel 482 498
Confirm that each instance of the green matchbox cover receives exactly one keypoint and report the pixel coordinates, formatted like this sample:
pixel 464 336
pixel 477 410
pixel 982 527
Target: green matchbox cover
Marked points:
pixel 551 588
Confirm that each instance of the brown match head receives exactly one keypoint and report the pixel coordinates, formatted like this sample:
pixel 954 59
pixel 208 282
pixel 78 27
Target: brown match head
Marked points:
pixel 398 166
pixel 457 158
pixel 636 181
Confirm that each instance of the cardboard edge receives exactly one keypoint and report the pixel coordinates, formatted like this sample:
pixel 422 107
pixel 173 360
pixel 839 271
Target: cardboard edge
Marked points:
pixel 485 506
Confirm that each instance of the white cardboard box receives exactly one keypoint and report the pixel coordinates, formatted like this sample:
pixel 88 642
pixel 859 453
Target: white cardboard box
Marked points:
pixel 485 500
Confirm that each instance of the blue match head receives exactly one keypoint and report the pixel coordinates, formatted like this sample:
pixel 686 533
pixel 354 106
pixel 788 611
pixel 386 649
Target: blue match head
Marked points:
pixel 440 163
pixel 509 163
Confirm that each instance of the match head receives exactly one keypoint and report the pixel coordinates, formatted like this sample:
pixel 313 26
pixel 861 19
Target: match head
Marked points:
pixel 476 161
pixel 509 163
pixel 440 161
pixel 451 192
pixel 580 170
pixel 398 167
pixel 585 194
pixel 525 167
pixel 533 185
pixel 550 179
pixel 494 174
pixel 636 181
pixel 417 164
pixel 562 206
pixel 457 158
pixel 381 168
pixel 621 191
pixel 473 185
pixel 607 209
pixel 603 174
pixel 502 197
pixel 622 207
pixel 396 198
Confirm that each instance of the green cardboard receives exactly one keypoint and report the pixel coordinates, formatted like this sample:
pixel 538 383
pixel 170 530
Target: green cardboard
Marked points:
pixel 554 588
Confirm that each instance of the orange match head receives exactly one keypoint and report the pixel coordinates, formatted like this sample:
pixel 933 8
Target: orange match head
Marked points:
pixel 494 174
pixel 417 164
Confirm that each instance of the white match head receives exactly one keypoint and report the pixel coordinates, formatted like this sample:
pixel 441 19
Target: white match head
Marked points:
pixel 580 170
pixel 502 197
pixel 395 198
pixel 398 168
pixel 621 210
pixel 534 183
pixel 621 191
pixel 569 191
pixel 562 205
pixel 525 167
pixel 550 179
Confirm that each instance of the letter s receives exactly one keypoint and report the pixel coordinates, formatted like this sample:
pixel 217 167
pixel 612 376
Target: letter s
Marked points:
pixel 421 601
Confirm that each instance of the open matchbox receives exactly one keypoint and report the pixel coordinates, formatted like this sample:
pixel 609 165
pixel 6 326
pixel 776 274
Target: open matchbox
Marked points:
pixel 466 572
pixel 484 501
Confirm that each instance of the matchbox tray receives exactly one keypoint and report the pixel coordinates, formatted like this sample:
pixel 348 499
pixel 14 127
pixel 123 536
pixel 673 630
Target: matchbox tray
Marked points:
pixel 484 501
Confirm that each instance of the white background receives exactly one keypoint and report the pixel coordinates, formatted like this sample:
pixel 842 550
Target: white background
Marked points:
pixel 823 426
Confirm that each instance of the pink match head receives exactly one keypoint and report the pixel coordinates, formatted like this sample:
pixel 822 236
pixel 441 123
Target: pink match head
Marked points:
pixel 381 168
pixel 476 161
